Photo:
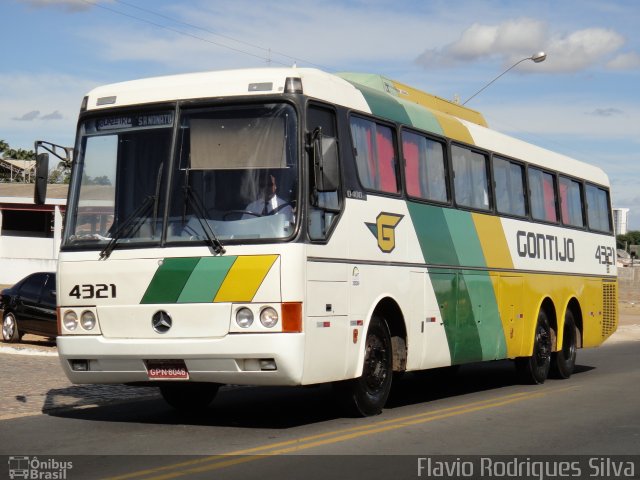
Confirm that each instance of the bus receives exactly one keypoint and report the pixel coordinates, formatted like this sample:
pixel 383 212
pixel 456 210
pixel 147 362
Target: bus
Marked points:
pixel 295 227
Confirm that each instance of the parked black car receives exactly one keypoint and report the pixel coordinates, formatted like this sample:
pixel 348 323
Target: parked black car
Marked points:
pixel 29 307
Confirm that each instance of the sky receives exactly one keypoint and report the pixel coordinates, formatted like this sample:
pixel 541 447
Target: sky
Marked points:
pixel 582 101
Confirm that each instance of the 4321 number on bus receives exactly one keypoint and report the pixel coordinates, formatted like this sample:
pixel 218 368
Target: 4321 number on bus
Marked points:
pixel 100 290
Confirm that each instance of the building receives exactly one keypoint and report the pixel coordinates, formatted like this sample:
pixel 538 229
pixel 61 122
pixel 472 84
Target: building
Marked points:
pixel 620 220
pixel 30 234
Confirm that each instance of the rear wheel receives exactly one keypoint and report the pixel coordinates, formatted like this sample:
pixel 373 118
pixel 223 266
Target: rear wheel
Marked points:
pixel 10 331
pixel 564 361
pixel 535 369
pixel 189 396
pixel 367 395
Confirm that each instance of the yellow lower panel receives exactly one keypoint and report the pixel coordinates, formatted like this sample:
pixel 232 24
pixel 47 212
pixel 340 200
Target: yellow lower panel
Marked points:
pixel 520 296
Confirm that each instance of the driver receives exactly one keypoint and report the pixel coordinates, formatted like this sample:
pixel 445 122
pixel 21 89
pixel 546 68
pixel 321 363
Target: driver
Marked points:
pixel 268 203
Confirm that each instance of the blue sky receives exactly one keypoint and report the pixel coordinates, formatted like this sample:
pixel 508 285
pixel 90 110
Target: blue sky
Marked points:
pixel 583 101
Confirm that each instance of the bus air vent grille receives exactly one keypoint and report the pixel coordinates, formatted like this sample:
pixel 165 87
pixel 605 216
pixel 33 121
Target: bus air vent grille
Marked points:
pixel 609 308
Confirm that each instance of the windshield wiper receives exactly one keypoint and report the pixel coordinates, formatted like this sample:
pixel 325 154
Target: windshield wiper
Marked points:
pixel 201 215
pixel 129 226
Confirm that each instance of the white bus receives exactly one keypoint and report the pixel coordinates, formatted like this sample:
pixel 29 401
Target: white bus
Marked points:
pixel 293 227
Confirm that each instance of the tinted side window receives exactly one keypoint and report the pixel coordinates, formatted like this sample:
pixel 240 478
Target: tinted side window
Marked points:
pixel 33 285
pixel 470 178
pixel 375 155
pixel 509 184
pixel 571 208
pixel 598 208
pixel 424 167
pixel 543 195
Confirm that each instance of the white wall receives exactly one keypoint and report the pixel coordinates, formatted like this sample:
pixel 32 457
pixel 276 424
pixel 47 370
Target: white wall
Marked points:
pixel 12 269
pixel 21 256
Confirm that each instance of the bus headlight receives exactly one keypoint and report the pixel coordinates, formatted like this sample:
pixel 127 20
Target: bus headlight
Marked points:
pixel 244 317
pixel 268 317
pixel 70 320
pixel 88 320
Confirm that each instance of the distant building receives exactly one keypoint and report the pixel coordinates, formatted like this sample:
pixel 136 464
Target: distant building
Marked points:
pixel 620 220
pixel 30 234
pixel 17 170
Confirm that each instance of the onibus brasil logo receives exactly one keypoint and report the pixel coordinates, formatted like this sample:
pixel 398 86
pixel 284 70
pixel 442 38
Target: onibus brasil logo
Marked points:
pixel 38 469
pixel 385 230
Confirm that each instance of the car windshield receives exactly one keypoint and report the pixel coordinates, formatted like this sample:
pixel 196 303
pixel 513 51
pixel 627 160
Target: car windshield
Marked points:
pixel 234 177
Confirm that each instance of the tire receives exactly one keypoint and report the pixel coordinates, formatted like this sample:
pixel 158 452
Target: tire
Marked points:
pixel 189 396
pixel 563 361
pixel 10 331
pixel 366 395
pixel 535 369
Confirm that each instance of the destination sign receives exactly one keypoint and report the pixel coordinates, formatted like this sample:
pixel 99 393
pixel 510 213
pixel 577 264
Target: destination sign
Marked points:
pixel 134 121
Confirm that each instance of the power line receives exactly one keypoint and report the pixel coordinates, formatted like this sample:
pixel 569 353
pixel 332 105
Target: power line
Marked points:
pixel 197 37
pixel 267 51
pixel 174 30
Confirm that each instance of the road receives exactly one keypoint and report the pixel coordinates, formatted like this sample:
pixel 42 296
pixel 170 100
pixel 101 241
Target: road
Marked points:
pixel 300 433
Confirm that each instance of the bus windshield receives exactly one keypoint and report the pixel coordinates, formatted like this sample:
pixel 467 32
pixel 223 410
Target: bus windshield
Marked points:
pixel 233 175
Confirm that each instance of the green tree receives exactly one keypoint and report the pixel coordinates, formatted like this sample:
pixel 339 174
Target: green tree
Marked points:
pixel 629 238
pixel 20 154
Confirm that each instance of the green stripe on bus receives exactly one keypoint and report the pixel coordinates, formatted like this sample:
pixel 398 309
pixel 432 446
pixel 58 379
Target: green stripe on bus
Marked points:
pixel 422 118
pixel 457 315
pixel 384 106
pixel 169 280
pixel 465 238
pixel 467 299
pixel 486 314
pixel 433 234
pixel 206 279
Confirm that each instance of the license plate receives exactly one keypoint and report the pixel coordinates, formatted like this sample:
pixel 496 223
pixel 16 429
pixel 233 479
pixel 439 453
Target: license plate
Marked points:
pixel 167 370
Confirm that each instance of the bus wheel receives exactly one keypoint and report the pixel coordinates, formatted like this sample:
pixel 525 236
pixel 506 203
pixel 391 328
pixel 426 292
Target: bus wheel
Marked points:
pixel 564 361
pixel 189 396
pixel 535 369
pixel 367 395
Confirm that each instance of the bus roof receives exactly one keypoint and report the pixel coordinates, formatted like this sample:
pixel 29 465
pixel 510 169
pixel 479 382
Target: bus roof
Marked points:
pixel 368 93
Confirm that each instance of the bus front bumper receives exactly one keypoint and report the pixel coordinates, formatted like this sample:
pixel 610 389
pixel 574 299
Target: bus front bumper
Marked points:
pixel 241 359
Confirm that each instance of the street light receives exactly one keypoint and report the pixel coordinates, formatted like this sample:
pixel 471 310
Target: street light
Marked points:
pixel 537 58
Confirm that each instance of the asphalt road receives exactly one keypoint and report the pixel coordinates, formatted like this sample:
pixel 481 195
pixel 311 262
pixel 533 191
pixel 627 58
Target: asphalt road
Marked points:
pixel 300 432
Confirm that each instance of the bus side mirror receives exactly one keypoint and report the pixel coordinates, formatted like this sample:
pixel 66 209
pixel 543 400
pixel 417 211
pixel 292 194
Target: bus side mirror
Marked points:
pixel 42 174
pixel 325 161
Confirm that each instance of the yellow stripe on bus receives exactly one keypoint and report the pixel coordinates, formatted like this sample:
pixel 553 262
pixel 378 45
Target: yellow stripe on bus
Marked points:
pixel 493 241
pixel 244 278
pixel 453 128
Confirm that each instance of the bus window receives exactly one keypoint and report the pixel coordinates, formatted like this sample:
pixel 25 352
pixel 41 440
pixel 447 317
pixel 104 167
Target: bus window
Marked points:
pixel 375 155
pixel 509 183
pixel 598 209
pixel 543 195
pixel 424 167
pixel 571 202
pixel 470 178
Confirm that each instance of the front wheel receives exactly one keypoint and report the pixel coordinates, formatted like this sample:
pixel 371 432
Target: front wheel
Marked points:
pixel 189 396
pixel 10 331
pixel 367 395
pixel 535 369
pixel 564 361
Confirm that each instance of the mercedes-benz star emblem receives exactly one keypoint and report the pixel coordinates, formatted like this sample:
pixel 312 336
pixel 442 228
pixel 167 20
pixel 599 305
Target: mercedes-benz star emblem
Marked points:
pixel 161 321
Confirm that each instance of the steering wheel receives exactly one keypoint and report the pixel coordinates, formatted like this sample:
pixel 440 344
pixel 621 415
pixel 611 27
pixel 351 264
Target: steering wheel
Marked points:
pixel 232 212
pixel 280 207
